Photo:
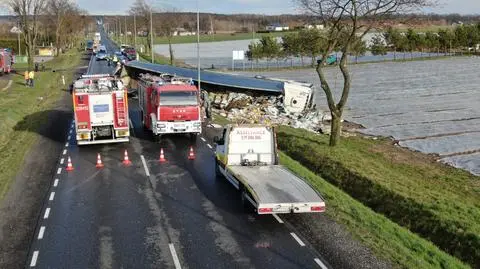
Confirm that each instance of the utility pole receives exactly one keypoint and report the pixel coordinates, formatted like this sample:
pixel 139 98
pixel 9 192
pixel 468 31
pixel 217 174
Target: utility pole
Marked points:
pixel 198 45
pixel 151 35
pixel 134 31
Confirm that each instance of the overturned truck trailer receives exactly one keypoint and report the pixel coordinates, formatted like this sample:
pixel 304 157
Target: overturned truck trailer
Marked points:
pixel 297 96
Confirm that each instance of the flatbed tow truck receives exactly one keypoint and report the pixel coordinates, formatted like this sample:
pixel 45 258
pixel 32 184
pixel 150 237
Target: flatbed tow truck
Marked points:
pixel 246 155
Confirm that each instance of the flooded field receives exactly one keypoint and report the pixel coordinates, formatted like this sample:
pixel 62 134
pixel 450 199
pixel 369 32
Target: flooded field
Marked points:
pixel 430 106
pixel 219 54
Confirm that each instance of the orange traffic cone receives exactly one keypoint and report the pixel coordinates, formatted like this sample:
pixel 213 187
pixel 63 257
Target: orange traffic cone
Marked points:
pixel 69 165
pixel 126 160
pixel 162 157
pixel 99 161
pixel 191 154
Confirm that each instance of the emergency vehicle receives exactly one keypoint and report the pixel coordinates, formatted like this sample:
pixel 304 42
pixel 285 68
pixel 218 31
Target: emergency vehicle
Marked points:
pixel 170 105
pixel 100 108
pixel 6 61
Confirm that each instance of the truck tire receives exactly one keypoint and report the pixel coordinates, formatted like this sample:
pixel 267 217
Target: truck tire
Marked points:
pixel 247 206
pixel 218 174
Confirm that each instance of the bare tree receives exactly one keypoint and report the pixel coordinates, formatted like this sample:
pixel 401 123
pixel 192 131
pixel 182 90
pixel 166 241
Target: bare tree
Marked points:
pixel 169 22
pixel 345 21
pixel 28 12
pixel 141 10
pixel 58 11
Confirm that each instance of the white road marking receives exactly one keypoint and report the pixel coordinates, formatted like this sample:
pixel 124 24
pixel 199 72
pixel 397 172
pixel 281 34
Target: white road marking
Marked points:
pixel 62 160
pixel 209 146
pixel 66 145
pixel 320 263
pixel 297 239
pixel 277 218
pixel 55 183
pixel 41 232
pixel 68 138
pixel 203 139
pixel 64 152
pixel 145 165
pixel 34 258
pixel 59 171
pixel 176 261
pixel 71 131
pixel 47 213
pixel 52 195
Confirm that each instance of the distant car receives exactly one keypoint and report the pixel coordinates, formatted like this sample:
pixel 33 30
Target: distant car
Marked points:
pixel 101 54
pixel 130 53
pixel 123 46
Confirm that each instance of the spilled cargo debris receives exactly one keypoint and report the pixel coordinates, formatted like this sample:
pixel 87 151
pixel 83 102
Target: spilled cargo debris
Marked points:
pixel 244 108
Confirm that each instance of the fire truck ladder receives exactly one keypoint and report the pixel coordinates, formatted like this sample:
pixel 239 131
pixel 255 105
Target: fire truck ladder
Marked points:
pixel 120 103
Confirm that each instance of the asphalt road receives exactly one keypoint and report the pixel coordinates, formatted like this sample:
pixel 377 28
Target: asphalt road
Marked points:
pixel 155 215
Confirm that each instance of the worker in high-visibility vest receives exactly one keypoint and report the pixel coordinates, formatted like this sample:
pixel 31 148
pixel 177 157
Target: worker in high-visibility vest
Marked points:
pixel 31 76
pixel 115 59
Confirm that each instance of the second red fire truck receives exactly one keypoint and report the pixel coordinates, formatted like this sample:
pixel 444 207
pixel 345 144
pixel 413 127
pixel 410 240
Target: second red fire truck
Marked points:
pixel 170 105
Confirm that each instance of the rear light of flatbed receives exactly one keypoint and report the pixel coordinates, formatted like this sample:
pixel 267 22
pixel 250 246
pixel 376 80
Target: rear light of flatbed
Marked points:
pixel 265 210
pixel 317 208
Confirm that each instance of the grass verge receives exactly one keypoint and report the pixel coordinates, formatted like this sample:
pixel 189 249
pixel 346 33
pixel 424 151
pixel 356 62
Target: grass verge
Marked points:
pixel 384 237
pixel 438 202
pixel 18 102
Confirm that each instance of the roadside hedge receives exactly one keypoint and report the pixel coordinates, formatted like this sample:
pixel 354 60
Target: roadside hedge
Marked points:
pixel 452 235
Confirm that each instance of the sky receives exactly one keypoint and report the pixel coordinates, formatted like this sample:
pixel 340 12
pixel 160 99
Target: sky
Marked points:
pixel 269 7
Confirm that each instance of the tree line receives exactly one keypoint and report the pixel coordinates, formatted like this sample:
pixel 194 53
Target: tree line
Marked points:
pixel 312 43
pixel 60 22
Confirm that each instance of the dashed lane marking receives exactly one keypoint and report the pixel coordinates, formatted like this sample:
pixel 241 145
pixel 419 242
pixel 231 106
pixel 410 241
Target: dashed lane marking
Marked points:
pixel 145 166
pixel 47 213
pixel 203 139
pixel 66 145
pixel 64 152
pixel 59 171
pixel 55 183
pixel 320 263
pixel 34 258
pixel 62 160
pixel 277 218
pixel 68 138
pixel 299 241
pixel 52 195
pixel 209 146
pixel 176 261
pixel 41 232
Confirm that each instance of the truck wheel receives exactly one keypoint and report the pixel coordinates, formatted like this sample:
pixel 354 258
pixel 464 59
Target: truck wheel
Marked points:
pixel 193 137
pixel 218 174
pixel 247 206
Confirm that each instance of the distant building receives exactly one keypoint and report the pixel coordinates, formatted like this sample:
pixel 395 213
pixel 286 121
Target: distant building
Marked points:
pixel 276 27
pixel 314 26
pixel 182 32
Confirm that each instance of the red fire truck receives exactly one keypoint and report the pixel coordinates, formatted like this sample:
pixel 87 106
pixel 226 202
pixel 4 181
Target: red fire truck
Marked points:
pixel 6 61
pixel 100 106
pixel 170 105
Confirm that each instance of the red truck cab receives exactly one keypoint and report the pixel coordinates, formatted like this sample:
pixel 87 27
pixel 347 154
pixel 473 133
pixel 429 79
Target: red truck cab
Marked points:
pixel 170 105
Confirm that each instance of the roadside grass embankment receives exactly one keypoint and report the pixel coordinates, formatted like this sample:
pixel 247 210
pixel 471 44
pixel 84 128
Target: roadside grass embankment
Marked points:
pixel 383 236
pixel 437 202
pixel 18 102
